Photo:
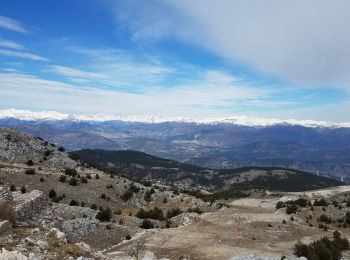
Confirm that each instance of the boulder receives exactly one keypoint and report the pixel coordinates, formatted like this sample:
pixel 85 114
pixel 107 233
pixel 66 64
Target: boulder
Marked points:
pixel 30 204
pixel 5 194
pixel 84 247
pixel 12 255
pixel 149 256
pixel 184 218
pixel 55 233
pixel 79 228
pixel 4 227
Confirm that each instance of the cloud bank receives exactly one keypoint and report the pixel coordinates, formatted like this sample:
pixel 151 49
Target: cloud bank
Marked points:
pixel 304 42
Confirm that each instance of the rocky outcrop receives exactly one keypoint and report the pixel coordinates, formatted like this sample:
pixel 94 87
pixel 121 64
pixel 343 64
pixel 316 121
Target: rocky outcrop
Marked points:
pixel 4 227
pixel 18 147
pixel 184 218
pixel 79 228
pixel 5 194
pixel 12 255
pixel 29 204
pixel 55 233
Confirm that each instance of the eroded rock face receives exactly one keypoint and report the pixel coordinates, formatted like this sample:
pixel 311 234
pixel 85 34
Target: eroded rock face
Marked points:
pixel 5 194
pixel 29 204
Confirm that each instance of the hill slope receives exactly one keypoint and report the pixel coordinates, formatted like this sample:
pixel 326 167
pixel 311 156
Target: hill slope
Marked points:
pixel 142 166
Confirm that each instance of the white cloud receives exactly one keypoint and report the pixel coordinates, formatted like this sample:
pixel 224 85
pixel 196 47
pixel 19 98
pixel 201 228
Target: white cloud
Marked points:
pixel 23 55
pixel 10 44
pixel 113 68
pixel 215 90
pixel 306 42
pixel 11 24
pixel 75 73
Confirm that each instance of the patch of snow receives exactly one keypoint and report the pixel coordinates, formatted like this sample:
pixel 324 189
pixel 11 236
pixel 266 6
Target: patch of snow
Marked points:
pixel 236 120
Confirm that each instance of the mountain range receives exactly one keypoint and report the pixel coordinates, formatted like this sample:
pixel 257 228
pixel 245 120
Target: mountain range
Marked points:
pixel 318 147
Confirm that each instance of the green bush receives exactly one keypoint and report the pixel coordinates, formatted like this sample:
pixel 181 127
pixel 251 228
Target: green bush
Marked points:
pixel 146 224
pixel 104 215
pixel 73 182
pixel 347 217
pixel 73 203
pixel 71 172
pixel 30 163
pixel 323 248
pixel 126 195
pixel 62 178
pixel 155 213
pixel 173 212
pixel 61 149
pixel 52 193
pixel 195 210
pixel 324 218
pixel 321 202
pixel 291 209
pixel 29 171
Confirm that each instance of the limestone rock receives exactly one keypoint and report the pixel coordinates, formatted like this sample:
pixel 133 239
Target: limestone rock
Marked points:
pixel 184 218
pixel 30 204
pixel 12 255
pixel 78 228
pixel 60 236
pixel 83 246
pixel 5 194
pixel 149 256
pixel 4 226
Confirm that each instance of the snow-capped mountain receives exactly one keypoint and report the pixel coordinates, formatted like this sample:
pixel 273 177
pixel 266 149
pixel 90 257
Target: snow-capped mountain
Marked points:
pixel 238 120
pixel 215 142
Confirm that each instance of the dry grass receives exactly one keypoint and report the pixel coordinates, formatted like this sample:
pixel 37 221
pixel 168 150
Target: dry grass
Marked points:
pixel 7 212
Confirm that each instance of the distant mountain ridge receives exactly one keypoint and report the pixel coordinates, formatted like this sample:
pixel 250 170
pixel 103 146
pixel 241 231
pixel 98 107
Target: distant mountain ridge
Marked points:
pixel 323 150
pixel 142 167
pixel 238 120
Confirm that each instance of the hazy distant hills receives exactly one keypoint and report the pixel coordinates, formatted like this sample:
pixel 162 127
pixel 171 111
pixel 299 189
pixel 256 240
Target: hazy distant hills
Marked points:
pixel 142 167
pixel 216 145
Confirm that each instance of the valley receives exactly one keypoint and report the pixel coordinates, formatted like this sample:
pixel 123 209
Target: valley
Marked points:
pixel 313 147
pixel 68 208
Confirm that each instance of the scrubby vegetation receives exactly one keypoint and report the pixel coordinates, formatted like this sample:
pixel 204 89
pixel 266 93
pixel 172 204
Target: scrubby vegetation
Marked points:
pixel 29 171
pixel 323 249
pixel 173 212
pixel 146 224
pixel 155 213
pixel 104 215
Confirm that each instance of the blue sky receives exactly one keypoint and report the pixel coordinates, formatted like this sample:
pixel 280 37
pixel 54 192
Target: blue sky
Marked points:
pixel 177 58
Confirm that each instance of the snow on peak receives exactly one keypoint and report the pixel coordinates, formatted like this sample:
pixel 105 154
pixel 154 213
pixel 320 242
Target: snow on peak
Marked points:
pixel 237 120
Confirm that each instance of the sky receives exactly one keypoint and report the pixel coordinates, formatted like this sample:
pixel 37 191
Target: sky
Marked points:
pixel 191 58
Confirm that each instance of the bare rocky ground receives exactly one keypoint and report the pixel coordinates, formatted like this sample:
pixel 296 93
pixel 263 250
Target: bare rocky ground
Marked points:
pixel 247 228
